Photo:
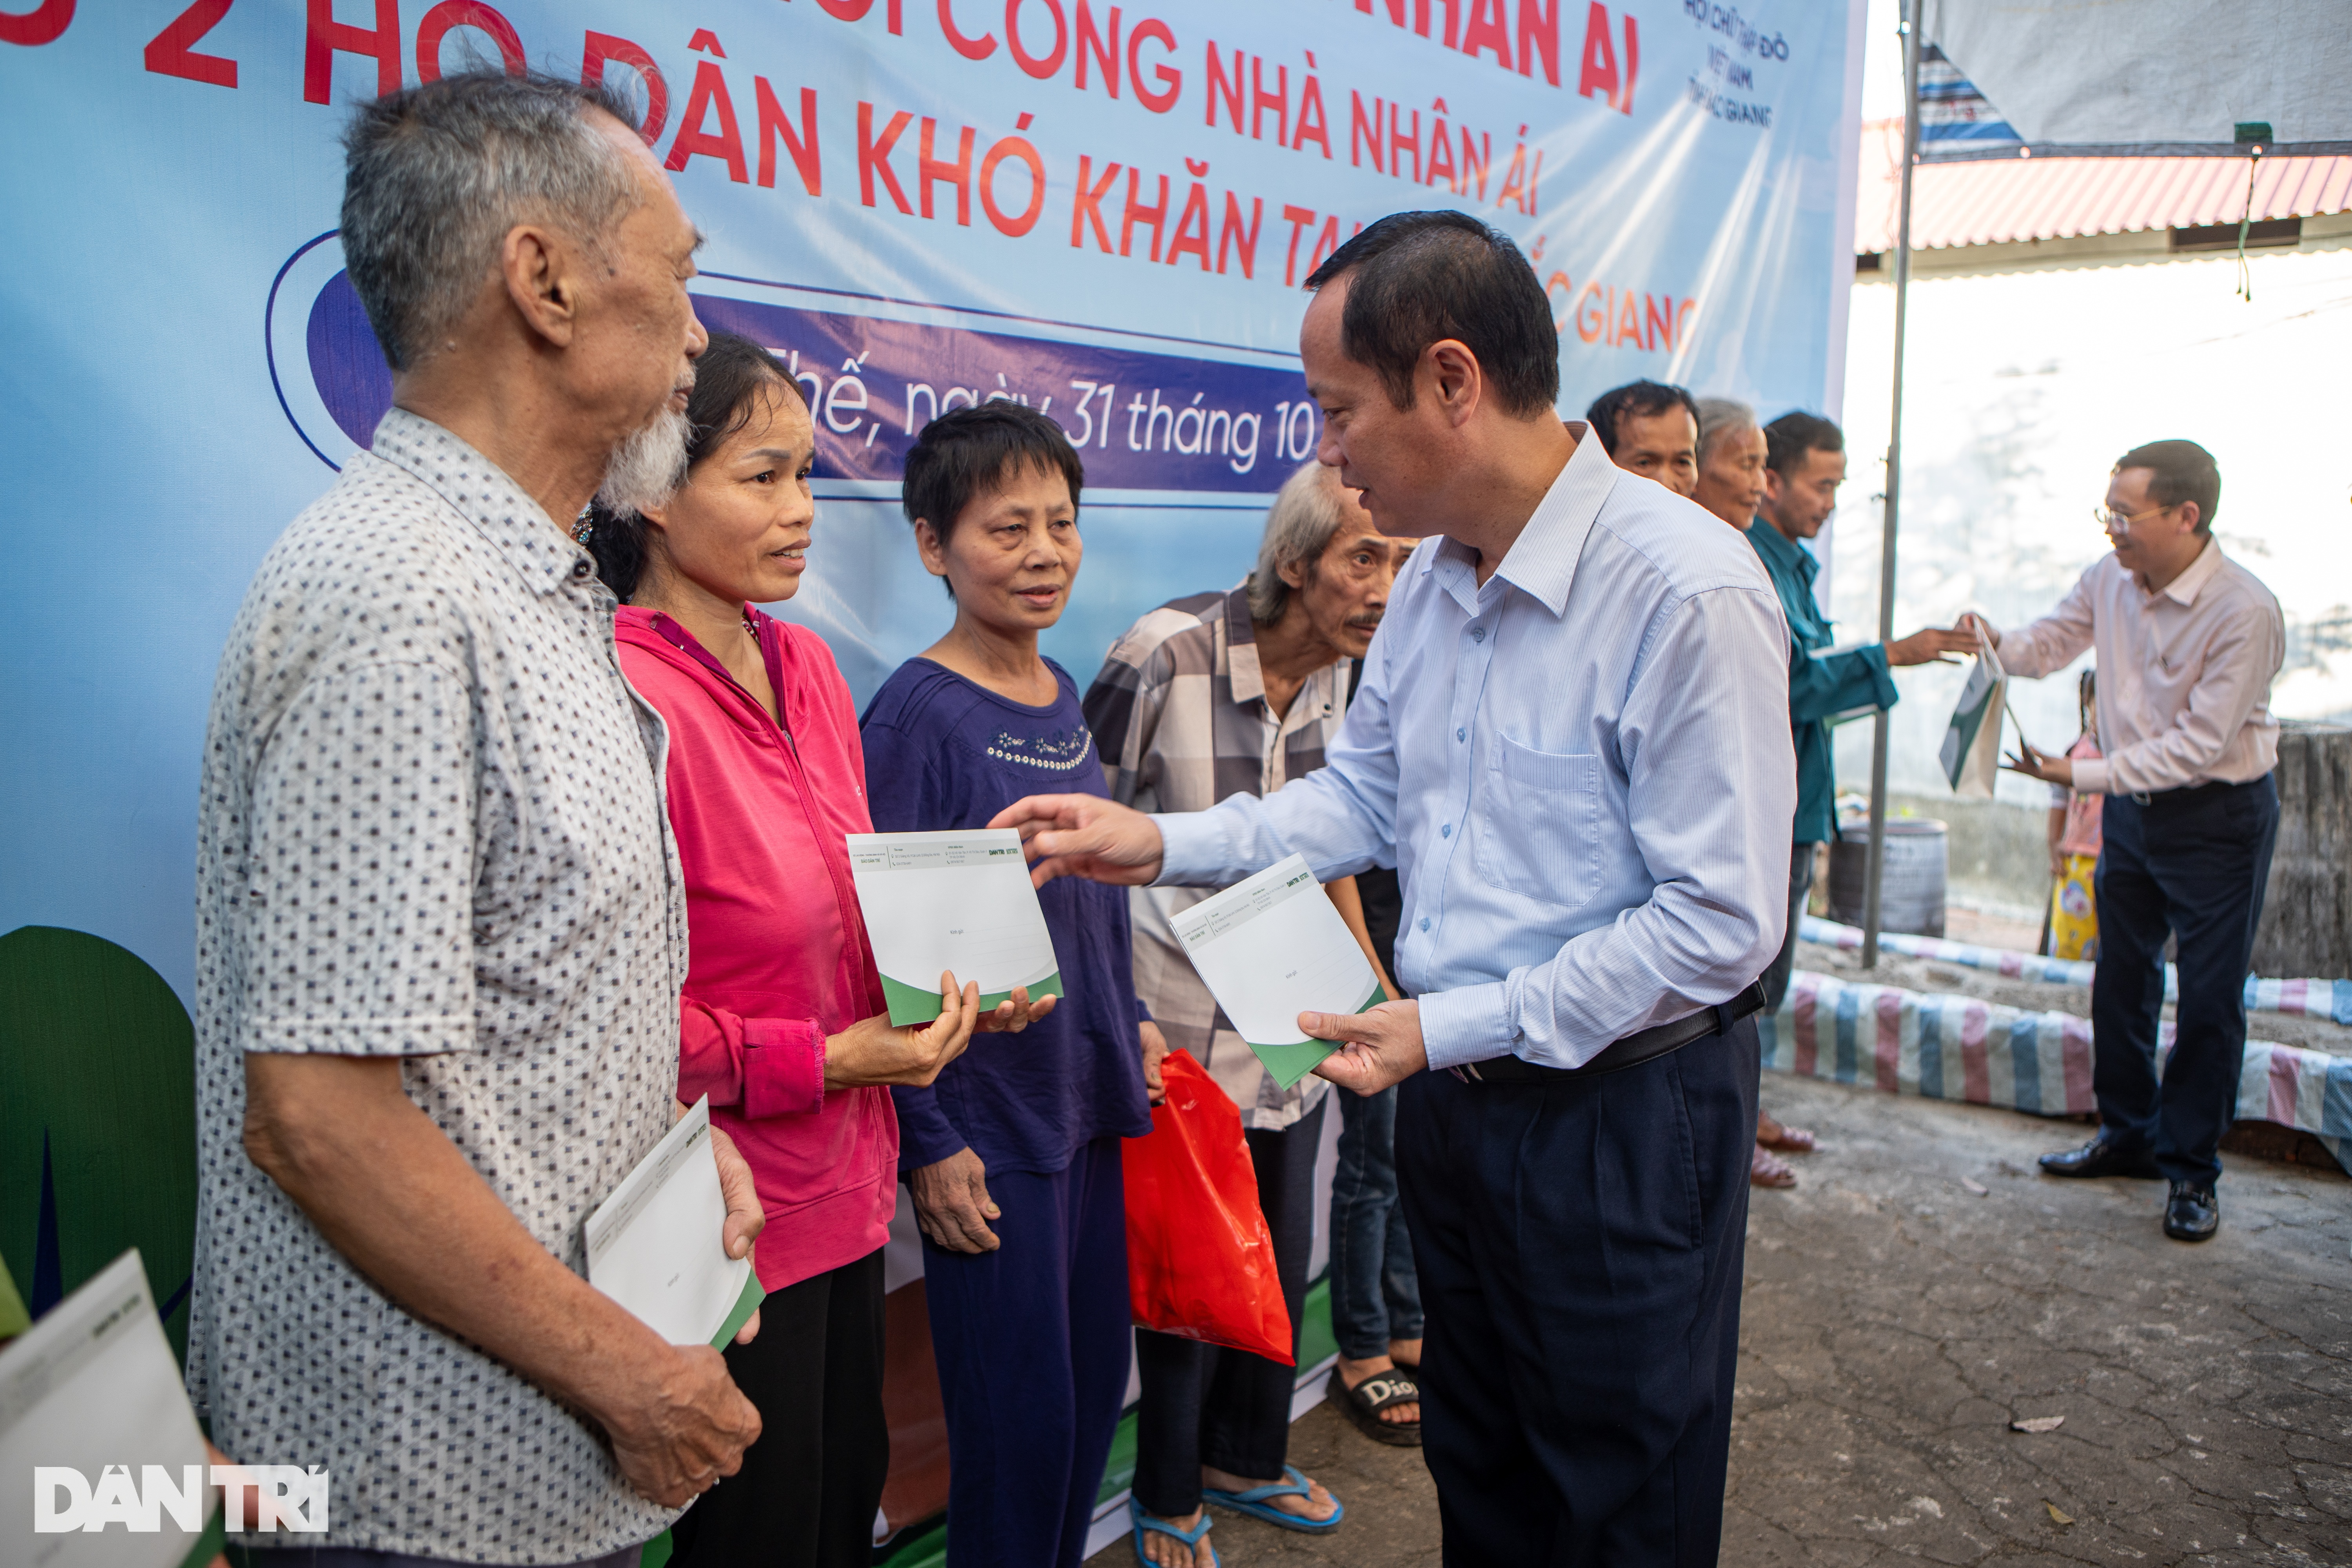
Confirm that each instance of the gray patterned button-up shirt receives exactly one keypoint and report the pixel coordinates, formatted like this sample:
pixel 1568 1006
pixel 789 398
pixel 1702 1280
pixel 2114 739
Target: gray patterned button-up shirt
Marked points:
pixel 431 828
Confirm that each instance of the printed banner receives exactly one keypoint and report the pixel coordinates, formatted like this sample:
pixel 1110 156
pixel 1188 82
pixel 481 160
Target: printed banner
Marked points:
pixel 1102 210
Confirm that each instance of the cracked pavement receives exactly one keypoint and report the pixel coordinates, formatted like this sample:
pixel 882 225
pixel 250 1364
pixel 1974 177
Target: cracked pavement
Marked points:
pixel 1896 1319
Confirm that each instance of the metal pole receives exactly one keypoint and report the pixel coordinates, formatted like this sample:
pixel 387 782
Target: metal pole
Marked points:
pixel 1875 870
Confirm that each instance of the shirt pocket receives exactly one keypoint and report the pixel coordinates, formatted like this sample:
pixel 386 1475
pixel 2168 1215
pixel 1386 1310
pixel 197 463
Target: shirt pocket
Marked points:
pixel 1539 815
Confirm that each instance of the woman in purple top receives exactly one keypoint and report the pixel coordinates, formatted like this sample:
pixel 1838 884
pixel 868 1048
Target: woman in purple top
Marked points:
pixel 1012 1155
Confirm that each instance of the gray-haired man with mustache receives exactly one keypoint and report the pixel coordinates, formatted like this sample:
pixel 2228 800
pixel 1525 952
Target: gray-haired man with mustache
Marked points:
pixel 1211 695
pixel 440 935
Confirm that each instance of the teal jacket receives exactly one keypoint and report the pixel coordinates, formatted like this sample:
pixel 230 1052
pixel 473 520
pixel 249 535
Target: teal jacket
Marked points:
pixel 1820 685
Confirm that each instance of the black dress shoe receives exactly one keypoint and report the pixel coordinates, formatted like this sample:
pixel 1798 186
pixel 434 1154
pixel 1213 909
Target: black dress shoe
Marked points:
pixel 2101 1157
pixel 2193 1212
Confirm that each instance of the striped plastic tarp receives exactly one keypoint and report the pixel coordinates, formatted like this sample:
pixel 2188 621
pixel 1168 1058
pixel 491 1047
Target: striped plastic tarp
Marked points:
pixel 1961 1048
pixel 2330 999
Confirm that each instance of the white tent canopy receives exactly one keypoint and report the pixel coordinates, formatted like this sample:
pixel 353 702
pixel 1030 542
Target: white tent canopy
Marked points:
pixel 2155 76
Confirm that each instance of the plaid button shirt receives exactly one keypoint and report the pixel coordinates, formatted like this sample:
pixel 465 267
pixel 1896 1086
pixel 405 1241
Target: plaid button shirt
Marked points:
pixel 1180 719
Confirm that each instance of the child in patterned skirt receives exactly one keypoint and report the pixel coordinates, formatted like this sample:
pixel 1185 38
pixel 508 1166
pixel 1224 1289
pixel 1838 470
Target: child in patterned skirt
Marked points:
pixel 2074 848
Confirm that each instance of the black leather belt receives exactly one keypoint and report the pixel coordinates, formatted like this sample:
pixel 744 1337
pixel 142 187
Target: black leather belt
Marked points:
pixel 1631 1051
pixel 2190 795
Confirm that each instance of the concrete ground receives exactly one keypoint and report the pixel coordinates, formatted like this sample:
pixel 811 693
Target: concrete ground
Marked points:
pixel 1896 1319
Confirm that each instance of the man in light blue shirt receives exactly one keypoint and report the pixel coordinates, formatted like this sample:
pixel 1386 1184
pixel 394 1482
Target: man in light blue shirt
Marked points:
pixel 1572 740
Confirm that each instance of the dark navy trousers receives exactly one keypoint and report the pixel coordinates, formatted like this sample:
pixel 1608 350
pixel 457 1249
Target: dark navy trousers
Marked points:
pixel 1213 1405
pixel 1033 1343
pixel 1580 1247
pixel 2193 864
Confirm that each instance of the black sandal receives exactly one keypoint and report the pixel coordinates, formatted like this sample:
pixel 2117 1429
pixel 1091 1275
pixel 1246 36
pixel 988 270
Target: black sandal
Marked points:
pixel 1363 1404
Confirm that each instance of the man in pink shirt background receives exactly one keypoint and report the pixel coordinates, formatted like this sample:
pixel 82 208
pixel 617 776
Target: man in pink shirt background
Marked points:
pixel 2188 643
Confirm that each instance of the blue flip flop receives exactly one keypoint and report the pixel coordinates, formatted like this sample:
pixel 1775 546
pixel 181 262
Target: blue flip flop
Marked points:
pixel 1253 1503
pixel 1144 1521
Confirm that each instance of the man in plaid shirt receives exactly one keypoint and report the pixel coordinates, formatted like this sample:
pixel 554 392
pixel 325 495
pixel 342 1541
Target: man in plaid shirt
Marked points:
pixel 1208 696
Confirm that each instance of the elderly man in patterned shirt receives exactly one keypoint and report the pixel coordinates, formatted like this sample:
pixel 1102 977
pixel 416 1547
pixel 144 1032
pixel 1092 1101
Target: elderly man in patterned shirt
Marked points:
pixel 440 932
pixel 1237 693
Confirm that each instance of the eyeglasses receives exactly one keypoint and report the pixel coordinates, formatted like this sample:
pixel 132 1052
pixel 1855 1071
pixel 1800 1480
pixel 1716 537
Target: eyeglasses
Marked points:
pixel 2116 521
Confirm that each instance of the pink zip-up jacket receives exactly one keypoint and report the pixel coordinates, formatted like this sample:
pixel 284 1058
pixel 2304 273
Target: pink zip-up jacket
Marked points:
pixel 778 956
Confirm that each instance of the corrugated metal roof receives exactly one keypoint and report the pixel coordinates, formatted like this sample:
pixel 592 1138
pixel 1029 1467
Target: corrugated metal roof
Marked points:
pixel 1995 201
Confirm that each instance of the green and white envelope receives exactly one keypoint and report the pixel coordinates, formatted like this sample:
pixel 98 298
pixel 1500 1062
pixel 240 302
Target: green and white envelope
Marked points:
pixel 657 1245
pixel 954 901
pixel 1970 753
pixel 93 1388
pixel 1273 947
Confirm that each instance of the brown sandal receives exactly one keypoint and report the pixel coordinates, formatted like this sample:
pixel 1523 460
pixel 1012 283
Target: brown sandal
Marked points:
pixel 1772 1134
pixel 1766 1169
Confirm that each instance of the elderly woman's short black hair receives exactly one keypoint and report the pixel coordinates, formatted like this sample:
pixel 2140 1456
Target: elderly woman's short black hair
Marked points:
pixel 968 452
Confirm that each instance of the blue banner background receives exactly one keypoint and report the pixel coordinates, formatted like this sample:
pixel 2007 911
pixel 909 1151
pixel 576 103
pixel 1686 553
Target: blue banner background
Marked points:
pixel 185 365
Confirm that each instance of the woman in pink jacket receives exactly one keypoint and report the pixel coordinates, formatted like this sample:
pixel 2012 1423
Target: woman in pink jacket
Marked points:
pixel 782 1020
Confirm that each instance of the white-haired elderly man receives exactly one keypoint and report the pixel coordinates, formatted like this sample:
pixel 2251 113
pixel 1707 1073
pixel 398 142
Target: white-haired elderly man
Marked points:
pixel 1211 695
pixel 440 932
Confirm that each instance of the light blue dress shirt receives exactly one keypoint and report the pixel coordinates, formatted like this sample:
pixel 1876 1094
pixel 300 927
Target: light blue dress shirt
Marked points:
pixel 1581 770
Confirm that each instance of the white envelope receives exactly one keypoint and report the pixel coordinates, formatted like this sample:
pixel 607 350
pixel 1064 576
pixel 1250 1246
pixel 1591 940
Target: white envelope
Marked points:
pixel 1273 947
pixel 656 1245
pixel 956 901
pixel 1970 754
pixel 91 1386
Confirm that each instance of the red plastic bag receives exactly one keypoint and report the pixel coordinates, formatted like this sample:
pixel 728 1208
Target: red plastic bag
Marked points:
pixel 1200 1259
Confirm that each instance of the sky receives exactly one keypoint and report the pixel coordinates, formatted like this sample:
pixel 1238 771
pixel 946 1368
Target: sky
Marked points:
pixel 1882 65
